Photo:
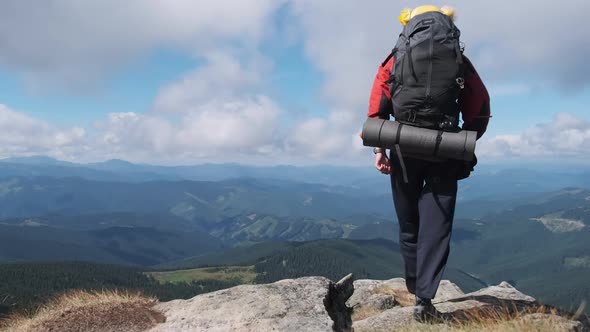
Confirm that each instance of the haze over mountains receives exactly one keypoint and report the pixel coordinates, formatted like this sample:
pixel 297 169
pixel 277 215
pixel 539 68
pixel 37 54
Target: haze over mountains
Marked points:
pixel 489 180
pixel 529 227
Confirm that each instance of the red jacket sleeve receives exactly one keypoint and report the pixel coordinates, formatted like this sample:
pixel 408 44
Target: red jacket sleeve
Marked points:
pixel 474 101
pixel 380 100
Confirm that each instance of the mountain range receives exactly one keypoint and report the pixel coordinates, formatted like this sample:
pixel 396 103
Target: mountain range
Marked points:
pixel 510 224
pixel 487 182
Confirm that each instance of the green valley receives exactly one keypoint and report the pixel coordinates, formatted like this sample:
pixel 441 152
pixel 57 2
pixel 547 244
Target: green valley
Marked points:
pixel 239 274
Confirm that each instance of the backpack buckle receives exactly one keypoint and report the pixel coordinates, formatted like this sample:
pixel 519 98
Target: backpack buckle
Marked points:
pixel 412 116
pixel 461 82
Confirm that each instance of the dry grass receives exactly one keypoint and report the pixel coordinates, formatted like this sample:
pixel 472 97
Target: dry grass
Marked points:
pixel 538 319
pixel 401 295
pixel 92 312
pixel 364 312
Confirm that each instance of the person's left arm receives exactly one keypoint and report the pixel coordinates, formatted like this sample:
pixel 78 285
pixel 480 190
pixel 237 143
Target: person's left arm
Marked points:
pixel 474 101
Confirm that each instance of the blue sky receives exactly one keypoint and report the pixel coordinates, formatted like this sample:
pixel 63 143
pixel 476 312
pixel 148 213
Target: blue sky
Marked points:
pixel 130 90
pixel 185 82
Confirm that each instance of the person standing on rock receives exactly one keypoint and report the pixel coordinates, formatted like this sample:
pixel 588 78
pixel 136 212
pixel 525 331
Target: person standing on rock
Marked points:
pixel 427 82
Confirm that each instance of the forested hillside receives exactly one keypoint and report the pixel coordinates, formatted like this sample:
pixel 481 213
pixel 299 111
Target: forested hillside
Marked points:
pixel 25 286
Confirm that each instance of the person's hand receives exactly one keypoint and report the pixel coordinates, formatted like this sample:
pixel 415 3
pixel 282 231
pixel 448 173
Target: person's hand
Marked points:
pixel 382 163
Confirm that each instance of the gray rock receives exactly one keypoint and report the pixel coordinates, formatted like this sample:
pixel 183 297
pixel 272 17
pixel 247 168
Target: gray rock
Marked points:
pixel 446 291
pixel 381 302
pixel 504 291
pixel 387 321
pixel 452 303
pixel 458 307
pixel 365 289
pixel 502 295
pixel 316 304
pixel 380 295
pixel 286 305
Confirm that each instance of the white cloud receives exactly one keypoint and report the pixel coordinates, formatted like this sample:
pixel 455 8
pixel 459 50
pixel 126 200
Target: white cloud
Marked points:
pixel 507 41
pixel 527 40
pixel 214 131
pixel 332 138
pixel 223 77
pixel 222 109
pixel 73 43
pixel 247 130
pixel 145 138
pixel 77 42
pixel 22 135
pixel 567 136
pixel 216 112
pixel 346 41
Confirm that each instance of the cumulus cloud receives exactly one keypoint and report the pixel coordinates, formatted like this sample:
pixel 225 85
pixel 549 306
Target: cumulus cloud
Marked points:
pixel 22 135
pixel 334 137
pixel 241 129
pixel 77 43
pixel 507 41
pixel 217 130
pixel 73 43
pixel 215 112
pixel 510 40
pixel 223 110
pixel 222 78
pixel 249 132
pixel 567 136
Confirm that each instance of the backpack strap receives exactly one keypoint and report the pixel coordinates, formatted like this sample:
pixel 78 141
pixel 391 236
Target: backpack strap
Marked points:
pixel 391 76
pixel 438 140
pixel 401 163
pixel 398 151
pixel 409 56
pixel 388 57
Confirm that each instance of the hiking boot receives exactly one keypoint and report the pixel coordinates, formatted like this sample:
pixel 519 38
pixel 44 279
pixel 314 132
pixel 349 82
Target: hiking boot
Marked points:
pixel 424 311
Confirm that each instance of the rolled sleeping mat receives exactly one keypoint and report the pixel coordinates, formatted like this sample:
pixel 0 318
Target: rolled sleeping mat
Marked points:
pixel 417 141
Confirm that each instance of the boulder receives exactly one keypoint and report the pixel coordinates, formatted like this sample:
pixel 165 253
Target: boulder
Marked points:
pixel 316 304
pixel 374 296
pixel 313 304
pixel 454 306
pixel 387 321
pixel 500 296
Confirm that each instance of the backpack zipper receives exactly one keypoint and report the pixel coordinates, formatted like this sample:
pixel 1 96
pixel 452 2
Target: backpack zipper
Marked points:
pixel 431 51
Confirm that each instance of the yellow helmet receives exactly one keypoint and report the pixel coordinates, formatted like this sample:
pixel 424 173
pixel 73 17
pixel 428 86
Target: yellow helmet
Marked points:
pixel 407 14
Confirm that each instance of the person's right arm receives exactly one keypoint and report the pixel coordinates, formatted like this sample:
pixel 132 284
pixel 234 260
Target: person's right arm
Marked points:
pixel 380 107
pixel 380 101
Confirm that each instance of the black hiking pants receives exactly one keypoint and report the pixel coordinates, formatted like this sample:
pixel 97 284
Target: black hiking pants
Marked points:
pixel 425 207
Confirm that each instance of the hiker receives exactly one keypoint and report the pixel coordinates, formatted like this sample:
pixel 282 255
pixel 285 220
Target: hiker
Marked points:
pixel 427 82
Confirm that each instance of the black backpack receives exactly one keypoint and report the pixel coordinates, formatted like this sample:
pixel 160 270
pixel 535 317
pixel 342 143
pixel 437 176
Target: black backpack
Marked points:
pixel 427 77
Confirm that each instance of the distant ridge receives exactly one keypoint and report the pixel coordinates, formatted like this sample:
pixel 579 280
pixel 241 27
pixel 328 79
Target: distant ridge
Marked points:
pixel 37 160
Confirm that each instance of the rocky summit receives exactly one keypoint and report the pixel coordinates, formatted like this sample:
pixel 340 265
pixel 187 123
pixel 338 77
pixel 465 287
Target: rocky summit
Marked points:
pixel 317 304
